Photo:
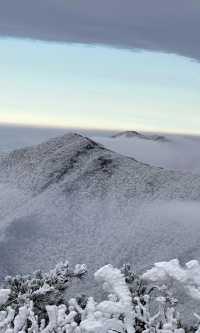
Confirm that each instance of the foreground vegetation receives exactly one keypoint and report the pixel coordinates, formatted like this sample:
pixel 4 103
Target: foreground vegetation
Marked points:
pixel 134 304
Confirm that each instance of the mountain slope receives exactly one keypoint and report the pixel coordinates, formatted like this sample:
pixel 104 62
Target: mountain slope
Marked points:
pixel 72 198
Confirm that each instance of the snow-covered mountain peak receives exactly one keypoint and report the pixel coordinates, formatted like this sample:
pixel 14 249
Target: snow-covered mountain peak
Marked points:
pixel 73 198
pixel 135 134
pixel 35 168
pixel 127 134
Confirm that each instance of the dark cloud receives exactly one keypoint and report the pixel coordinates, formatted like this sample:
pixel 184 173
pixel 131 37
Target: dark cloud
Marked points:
pixel 170 26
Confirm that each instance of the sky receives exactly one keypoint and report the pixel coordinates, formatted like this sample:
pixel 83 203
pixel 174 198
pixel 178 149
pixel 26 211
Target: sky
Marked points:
pixel 171 26
pixel 75 64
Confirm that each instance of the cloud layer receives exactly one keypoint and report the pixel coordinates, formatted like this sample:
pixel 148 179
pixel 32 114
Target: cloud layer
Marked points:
pixel 169 26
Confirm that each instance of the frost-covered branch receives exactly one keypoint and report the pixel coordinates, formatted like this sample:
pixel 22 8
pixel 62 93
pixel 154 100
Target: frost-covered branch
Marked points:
pixel 38 304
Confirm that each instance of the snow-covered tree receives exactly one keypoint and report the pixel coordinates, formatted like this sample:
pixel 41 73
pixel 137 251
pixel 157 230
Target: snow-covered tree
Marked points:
pixel 41 288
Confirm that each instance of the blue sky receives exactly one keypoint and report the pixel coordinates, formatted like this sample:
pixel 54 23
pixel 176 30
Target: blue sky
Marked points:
pixel 76 85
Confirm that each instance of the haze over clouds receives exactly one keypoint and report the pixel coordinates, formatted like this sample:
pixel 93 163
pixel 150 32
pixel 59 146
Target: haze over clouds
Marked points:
pixel 169 26
pixel 176 153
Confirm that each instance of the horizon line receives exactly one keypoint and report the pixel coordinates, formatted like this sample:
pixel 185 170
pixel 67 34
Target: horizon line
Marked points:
pixel 95 129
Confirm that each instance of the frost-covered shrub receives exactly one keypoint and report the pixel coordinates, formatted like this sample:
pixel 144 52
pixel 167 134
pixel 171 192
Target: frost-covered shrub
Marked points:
pixel 151 303
pixel 41 288
pixel 188 277
pixel 38 303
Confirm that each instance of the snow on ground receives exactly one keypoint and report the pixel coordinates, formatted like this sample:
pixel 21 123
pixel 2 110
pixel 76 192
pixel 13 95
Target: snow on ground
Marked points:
pixel 72 199
pixel 175 152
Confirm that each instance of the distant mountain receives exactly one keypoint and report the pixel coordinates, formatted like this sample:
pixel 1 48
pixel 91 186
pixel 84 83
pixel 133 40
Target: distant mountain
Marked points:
pixel 135 134
pixel 172 152
pixel 71 198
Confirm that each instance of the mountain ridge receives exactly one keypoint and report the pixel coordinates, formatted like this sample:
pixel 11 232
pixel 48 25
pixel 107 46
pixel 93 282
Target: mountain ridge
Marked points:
pixel 71 198
pixel 135 134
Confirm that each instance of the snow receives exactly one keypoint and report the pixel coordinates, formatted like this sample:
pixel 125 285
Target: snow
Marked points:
pixel 188 277
pixel 128 309
pixel 4 295
pixel 71 198
pixel 115 284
